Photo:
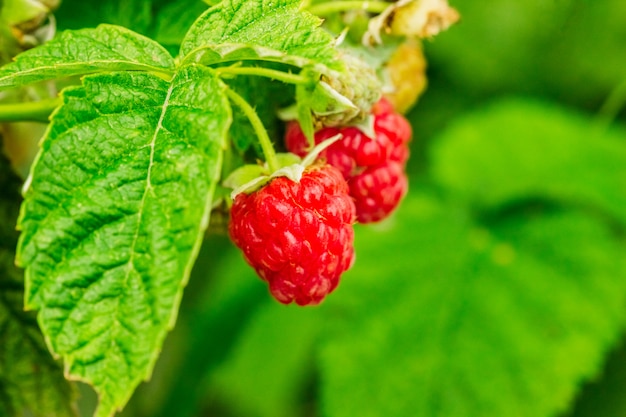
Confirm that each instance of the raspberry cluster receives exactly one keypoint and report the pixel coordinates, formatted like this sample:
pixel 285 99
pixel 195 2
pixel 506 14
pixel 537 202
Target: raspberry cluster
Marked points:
pixel 298 234
pixel 374 167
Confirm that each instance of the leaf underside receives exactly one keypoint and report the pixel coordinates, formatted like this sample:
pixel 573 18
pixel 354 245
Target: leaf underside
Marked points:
pixel 114 216
pixel 236 30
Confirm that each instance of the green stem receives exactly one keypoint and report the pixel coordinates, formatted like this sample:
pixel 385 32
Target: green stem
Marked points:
pixel 286 77
pixel 611 106
pixel 325 9
pixel 257 125
pixel 32 111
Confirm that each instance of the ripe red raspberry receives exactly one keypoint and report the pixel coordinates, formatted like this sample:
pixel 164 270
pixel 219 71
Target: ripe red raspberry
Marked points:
pixel 349 154
pixel 298 236
pixel 383 106
pixel 378 190
pixel 397 128
pixel 355 150
pixel 365 160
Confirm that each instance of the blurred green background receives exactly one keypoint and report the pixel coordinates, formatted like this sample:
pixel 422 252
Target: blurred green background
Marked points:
pixel 498 288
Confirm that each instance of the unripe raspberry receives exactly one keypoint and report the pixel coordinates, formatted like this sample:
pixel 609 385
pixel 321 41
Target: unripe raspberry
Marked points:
pixel 378 190
pixel 359 84
pixel 298 236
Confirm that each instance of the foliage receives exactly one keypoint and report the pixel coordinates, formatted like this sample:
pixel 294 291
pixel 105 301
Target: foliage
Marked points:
pixel 497 289
pixel 477 310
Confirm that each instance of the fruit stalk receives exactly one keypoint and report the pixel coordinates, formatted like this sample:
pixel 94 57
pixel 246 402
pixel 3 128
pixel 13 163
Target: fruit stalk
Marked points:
pixel 611 107
pixel 257 125
pixel 286 77
pixel 329 8
pixel 33 111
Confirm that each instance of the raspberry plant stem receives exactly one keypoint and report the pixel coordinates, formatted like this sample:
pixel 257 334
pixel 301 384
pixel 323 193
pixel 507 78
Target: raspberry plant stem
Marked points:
pixel 611 107
pixel 325 9
pixel 257 125
pixel 286 77
pixel 33 111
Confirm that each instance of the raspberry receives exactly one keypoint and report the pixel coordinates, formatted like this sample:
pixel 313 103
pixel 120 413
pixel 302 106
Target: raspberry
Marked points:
pixel 375 164
pixel 352 151
pixel 378 190
pixel 298 236
pixel 392 135
pixel 383 106
pixel 395 127
pixel 359 84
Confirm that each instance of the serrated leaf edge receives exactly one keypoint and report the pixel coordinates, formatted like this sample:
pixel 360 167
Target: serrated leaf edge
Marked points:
pixel 101 66
pixel 204 223
pixel 262 54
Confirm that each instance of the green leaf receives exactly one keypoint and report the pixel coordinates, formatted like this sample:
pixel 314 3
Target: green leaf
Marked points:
pixel 458 319
pixel 106 48
pixel 113 219
pixel 31 382
pixel 516 150
pixel 236 30
pixel 304 110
